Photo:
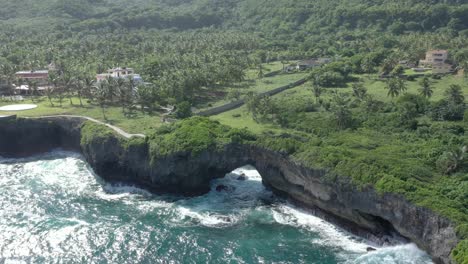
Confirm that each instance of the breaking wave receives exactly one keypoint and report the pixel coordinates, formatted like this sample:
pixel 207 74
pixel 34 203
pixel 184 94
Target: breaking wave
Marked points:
pixel 54 209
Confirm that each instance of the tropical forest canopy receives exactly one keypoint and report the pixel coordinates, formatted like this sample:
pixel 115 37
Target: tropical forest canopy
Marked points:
pixel 401 133
pixel 167 41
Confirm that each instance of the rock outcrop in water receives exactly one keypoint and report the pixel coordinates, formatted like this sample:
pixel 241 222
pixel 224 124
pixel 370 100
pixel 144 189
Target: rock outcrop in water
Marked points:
pixel 115 159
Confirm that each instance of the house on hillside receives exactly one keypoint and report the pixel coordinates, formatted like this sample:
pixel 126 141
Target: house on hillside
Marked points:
pixel 39 78
pixel 437 61
pixel 117 73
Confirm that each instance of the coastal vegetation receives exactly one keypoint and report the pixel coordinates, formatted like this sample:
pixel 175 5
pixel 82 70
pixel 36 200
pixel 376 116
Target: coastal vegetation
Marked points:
pixel 194 136
pixel 363 116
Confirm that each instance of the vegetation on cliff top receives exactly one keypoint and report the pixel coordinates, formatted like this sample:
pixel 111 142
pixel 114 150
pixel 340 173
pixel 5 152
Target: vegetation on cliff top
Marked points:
pixel 93 132
pixel 193 136
pixel 411 144
pixel 195 52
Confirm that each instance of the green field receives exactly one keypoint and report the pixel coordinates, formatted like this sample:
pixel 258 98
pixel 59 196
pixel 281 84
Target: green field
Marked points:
pixel 378 151
pixel 142 122
pixel 410 72
pixel 253 83
pixel 241 118
pixel 137 123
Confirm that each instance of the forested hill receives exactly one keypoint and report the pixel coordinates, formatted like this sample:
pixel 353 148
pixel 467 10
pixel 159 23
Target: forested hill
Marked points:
pixel 277 17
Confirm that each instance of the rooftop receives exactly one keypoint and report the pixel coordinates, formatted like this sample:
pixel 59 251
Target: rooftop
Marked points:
pixel 120 69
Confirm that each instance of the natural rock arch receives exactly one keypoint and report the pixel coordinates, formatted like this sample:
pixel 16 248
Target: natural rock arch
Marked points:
pixel 114 160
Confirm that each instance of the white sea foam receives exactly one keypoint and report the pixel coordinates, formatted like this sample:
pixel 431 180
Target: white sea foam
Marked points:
pixel 243 201
pixel 226 207
pixel 402 254
pixel 207 218
pixel 137 197
pixel 329 234
pixel 76 222
pixel 118 191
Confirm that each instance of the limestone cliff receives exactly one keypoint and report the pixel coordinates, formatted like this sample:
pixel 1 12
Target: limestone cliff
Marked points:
pixel 116 159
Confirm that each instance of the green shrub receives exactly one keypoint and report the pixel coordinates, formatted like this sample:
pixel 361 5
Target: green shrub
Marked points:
pixel 284 143
pixel 447 111
pixel 184 110
pixel 93 132
pixel 194 135
pixel 460 253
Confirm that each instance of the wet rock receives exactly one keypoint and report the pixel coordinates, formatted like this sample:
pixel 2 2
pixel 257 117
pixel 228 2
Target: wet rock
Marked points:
pixel 185 173
pixel 242 177
pixel 221 188
pixel 369 249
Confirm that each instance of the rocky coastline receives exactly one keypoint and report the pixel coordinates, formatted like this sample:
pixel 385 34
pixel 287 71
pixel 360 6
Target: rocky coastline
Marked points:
pixel 116 161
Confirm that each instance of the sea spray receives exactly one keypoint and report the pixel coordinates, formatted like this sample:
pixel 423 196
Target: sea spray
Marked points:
pixel 53 208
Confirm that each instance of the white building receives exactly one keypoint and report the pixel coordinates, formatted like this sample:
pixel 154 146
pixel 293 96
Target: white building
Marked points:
pixel 120 73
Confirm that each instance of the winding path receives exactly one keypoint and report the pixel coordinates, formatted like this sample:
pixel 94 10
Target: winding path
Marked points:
pixel 116 129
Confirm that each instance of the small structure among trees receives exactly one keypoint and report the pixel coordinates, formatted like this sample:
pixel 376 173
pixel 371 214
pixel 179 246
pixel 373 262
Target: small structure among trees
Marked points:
pixel 31 81
pixel 120 72
pixel 437 60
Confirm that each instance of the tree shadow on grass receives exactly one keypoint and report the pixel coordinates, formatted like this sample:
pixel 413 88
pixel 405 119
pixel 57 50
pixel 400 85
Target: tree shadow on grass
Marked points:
pixel 209 95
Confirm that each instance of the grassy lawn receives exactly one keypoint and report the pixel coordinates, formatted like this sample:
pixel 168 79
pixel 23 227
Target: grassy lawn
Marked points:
pixel 393 161
pixel 378 88
pixel 273 66
pixel 215 96
pixel 250 85
pixel 240 118
pixel 138 123
pixel 410 72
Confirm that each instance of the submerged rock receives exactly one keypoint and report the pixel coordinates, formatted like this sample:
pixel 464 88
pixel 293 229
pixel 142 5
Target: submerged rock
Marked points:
pixel 369 249
pixel 221 188
pixel 242 177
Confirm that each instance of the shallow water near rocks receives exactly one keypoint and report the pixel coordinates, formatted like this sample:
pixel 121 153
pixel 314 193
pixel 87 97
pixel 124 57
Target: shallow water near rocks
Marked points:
pixel 53 208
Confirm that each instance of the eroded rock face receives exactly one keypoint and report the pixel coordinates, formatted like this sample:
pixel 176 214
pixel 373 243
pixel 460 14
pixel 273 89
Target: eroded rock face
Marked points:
pixel 189 174
pixel 26 137
pixel 364 207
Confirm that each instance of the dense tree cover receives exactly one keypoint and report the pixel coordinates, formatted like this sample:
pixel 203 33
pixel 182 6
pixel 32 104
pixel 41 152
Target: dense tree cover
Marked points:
pixel 405 145
pixel 177 64
pixel 194 135
pixel 184 48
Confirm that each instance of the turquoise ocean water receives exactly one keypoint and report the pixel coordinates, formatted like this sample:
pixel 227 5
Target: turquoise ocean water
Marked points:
pixel 54 209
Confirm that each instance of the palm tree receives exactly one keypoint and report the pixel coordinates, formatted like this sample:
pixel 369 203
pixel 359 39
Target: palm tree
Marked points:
pixel 260 72
pixel 426 88
pixel 123 93
pixel 49 92
pixel 101 94
pixel 340 109
pixel 111 91
pixel 68 83
pixel 317 90
pixel 80 88
pixel 395 87
pixel 359 91
pixel 454 94
pixel 88 83
pixel 450 161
